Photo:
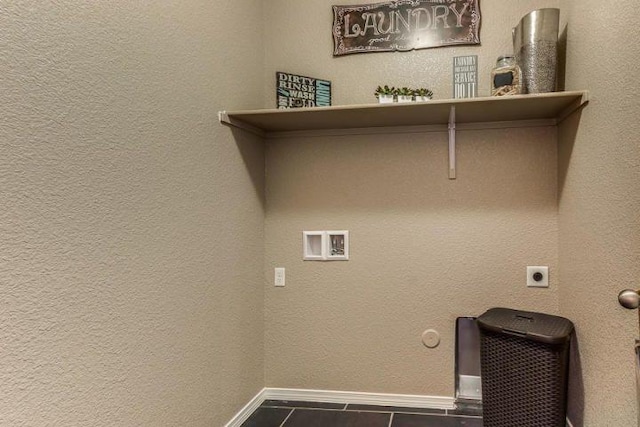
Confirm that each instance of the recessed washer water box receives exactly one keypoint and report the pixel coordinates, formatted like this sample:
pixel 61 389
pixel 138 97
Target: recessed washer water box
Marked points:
pixel 313 245
pixel 337 245
pixel 325 245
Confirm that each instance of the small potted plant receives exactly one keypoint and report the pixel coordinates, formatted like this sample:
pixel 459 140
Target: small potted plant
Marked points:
pixel 405 94
pixel 385 94
pixel 423 94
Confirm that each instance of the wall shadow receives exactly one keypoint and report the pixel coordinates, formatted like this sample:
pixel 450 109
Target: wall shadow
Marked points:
pixel 252 149
pixel 567 134
pixel 498 170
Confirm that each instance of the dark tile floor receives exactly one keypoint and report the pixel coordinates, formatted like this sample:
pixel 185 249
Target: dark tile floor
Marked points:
pixel 280 413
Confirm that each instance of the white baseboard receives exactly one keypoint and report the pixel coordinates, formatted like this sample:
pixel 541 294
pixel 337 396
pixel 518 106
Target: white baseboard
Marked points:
pixel 360 398
pixel 247 410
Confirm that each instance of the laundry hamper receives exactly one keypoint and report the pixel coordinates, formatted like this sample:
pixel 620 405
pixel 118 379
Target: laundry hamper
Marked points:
pixel 524 359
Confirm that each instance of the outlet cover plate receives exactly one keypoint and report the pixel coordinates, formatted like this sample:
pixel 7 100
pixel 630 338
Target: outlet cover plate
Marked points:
pixel 279 276
pixel 532 271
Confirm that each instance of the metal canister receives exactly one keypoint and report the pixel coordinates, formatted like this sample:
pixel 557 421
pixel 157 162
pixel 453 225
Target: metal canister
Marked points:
pixel 535 44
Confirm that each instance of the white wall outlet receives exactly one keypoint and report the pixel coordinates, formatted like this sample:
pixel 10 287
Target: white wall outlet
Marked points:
pixel 538 276
pixel 279 276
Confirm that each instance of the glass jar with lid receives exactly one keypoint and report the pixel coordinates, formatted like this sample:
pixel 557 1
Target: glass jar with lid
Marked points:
pixel 506 77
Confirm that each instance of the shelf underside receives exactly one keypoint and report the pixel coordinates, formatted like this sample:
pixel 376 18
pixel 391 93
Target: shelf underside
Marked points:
pixel 553 106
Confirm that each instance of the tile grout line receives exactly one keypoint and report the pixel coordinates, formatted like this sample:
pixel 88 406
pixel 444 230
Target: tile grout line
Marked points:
pixel 373 411
pixel 285 420
pixel 315 409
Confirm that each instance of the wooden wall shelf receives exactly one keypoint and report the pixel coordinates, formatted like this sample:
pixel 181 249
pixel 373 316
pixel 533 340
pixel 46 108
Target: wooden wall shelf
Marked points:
pixel 551 107
pixel 547 109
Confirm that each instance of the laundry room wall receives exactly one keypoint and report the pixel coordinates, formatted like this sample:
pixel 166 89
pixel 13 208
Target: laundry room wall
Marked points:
pixel 424 249
pixel 131 227
pixel 599 211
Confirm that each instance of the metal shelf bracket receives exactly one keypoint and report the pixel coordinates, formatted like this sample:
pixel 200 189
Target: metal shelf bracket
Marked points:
pixel 452 142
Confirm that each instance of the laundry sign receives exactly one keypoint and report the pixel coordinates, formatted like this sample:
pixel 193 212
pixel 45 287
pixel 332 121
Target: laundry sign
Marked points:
pixel 405 25
pixel 293 91
pixel 465 76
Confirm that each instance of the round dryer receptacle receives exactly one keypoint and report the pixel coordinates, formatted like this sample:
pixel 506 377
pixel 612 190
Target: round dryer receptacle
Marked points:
pixel 431 338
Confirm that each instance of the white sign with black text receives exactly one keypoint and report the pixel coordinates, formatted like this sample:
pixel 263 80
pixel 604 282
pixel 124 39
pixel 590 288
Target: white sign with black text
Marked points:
pixel 465 76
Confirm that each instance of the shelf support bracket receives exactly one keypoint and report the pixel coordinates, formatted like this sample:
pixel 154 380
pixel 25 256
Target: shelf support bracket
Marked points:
pixel 452 142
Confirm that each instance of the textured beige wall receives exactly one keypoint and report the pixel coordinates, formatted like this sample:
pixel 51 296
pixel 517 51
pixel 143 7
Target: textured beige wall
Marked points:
pixel 600 208
pixel 424 249
pixel 130 230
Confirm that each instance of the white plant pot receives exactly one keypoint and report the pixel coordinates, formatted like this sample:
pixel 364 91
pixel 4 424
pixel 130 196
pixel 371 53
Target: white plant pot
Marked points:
pixel 423 98
pixel 385 99
pixel 405 98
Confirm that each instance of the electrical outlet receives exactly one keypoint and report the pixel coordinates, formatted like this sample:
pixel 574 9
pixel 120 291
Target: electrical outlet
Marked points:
pixel 538 277
pixel 279 277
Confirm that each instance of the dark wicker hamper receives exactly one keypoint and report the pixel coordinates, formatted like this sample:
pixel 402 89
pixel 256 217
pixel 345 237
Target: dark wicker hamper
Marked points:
pixel 524 367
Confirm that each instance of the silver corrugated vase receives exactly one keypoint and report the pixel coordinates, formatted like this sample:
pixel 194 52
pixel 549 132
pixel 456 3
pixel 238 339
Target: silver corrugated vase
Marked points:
pixel 535 44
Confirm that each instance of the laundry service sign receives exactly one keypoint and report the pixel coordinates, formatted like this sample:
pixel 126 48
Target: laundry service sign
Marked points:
pixel 405 25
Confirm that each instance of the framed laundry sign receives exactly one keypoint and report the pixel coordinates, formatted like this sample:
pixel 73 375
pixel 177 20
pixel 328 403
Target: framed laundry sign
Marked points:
pixel 405 25
pixel 293 91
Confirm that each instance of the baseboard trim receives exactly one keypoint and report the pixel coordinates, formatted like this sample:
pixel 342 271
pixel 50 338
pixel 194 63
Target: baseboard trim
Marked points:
pixel 360 398
pixel 247 410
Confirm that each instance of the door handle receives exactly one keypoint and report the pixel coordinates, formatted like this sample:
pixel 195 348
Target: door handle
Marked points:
pixel 629 299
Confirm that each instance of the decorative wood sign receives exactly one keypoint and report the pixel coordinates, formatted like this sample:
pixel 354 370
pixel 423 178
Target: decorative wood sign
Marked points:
pixel 465 76
pixel 405 25
pixel 298 91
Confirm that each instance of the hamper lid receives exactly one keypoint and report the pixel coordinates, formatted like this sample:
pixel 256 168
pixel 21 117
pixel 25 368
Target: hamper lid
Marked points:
pixel 539 327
